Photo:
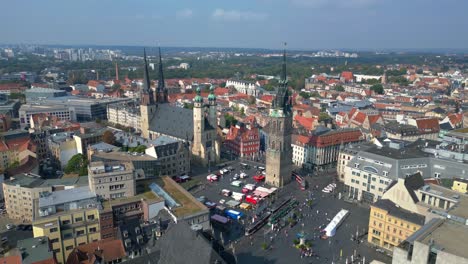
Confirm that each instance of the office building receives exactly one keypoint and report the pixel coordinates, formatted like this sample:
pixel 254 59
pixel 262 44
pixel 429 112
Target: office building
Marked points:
pixel 111 180
pixel 69 218
pixel 62 112
pixel 39 93
pixel 368 169
pixel 85 109
pixel 21 190
pixel 437 242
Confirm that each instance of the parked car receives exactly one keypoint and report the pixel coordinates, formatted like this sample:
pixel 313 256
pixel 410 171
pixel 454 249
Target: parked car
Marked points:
pixel 222 201
pixel 10 226
pixel 236 177
pixel 4 240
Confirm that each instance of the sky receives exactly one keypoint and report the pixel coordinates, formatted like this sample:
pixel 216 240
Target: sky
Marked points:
pixel 303 24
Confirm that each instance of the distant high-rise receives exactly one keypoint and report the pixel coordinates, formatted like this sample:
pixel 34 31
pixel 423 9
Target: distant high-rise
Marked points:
pixel 279 130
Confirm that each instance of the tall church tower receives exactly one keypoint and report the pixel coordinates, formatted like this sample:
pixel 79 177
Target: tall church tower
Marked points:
pixel 279 130
pixel 147 103
pixel 205 147
pixel 213 120
pixel 198 143
pixel 161 94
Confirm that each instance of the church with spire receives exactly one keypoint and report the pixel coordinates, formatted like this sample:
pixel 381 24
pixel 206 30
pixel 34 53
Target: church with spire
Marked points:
pixel 197 127
pixel 279 130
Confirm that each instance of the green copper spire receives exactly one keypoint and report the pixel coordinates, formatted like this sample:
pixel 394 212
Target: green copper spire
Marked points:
pixel 198 98
pixel 212 96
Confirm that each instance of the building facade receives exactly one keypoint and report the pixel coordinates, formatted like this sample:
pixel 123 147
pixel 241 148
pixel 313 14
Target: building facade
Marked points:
pixel 390 225
pixel 69 218
pixel 111 180
pixel 323 146
pixel 368 169
pixel 125 114
pixel 244 87
pixel 243 140
pixel 62 112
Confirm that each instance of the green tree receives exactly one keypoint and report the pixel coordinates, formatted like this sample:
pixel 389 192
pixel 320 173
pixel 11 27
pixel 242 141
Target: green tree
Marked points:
pixel 230 120
pixel 377 88
pixel 339 88
pixel 77 164
pixel 242 111
pixel 188 106
pixel 305 95
pixel 323 117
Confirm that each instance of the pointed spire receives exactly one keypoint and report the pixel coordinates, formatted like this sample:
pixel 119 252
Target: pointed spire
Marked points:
pixel 161 84
pixel 284 77
pixel 147 82
pixel 146 93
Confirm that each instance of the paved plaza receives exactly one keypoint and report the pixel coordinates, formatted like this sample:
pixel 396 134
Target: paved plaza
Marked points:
pixel 325 206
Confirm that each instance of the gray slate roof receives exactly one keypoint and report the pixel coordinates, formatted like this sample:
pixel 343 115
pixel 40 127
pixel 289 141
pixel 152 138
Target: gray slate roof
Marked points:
pixel 195 247
pixel 173 121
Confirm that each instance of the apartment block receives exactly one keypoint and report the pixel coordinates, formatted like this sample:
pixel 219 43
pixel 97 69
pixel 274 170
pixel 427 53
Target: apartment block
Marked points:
pixel 69 218
pixel 111 180
pixel 21 190
pixel 389 225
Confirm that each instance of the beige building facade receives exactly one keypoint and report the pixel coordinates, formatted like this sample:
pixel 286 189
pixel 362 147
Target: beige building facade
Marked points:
pixel 111 180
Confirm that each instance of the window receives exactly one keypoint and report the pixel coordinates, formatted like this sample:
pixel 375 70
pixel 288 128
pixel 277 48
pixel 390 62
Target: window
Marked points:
pixel 90 217
pixel 55 240
pixel 53 230
pixel 68 247
pixel 80 232
pixel 92 230
pixel 65 222
pixel 78 219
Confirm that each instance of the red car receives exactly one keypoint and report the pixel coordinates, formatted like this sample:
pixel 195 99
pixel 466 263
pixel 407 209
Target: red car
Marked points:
pixel 245 190
pixel 259 178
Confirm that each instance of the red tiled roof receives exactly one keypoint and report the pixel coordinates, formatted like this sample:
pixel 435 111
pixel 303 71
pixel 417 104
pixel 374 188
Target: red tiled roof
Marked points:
pixel 428 124
pixel 336 138
pixel 373 119
pixel 347 75
pixel 267 98
pixel 11 260
pixel 8 86
pixel 108 250
pixel 306 122
pixel 359 118
pixel 221 91
pixel 241 133
pixel 455 118
pixel 300 139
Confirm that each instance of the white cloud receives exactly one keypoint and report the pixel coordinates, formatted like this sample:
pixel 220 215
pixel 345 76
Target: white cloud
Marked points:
pixel 184 13
pixel 335 3
pixel 235 15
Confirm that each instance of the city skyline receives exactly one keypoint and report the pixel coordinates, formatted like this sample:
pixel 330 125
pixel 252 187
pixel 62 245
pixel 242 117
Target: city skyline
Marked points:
pixel 305 24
